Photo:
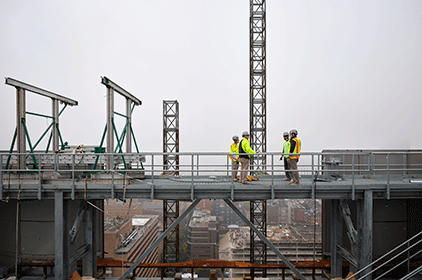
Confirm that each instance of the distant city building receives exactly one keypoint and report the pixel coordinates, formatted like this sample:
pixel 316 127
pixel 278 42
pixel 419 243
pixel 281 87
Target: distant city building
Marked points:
pixel 127 239
pixel 295 243
pixel 202 236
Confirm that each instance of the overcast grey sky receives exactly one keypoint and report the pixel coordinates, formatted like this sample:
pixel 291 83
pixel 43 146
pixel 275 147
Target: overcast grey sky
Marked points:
pixel 346 74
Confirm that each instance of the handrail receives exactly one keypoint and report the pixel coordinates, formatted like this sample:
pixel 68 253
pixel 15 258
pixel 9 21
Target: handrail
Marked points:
pixel 389 260
pixel 206 163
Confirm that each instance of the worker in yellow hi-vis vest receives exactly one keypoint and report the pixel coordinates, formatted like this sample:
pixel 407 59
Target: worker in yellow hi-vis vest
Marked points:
pixel 244 154
pixel 295 146
pixel 234 149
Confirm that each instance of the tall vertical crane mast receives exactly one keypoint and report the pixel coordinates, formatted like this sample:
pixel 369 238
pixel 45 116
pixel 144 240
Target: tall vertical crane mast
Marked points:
pixel 257 81
pixel 258 125
pixel 171 167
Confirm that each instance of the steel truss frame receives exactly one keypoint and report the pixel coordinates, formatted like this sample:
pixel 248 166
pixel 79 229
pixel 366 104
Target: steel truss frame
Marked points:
pixel 110 129
pixel 258 249
pixel 257 81
pixel 21 135
pixel 171 241
pixel 171 136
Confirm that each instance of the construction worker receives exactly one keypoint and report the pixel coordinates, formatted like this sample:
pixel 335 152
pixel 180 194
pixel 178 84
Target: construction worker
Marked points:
pixel 295 146
pixel 234 149
pixel 286 150
pixel 244 155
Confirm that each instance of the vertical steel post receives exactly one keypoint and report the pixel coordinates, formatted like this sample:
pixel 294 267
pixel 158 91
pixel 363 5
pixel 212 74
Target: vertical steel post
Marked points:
pixel 61 237
pixel 258 248
pixel 55 133
pixel 257 83
pixel 128 126
pixel 20 118
pixel 110 125
pixel 365 232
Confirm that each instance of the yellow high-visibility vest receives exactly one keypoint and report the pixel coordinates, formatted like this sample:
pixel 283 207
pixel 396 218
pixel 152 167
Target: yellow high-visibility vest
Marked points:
pixel 234 149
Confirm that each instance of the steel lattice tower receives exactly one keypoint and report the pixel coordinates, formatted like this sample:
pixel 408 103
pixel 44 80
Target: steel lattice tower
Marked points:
pixel 171 166
pixel 258 249
pixel 171 242
pixel 257 100
pixel 258 125
pixel 171 136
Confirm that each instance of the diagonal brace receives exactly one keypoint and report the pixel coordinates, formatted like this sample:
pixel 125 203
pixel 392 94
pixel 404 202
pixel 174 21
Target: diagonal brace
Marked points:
pixel 264 239
pixel 161 238
pixel 347 215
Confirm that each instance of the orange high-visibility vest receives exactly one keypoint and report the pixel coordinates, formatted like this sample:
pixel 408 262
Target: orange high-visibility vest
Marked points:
pixel 297 148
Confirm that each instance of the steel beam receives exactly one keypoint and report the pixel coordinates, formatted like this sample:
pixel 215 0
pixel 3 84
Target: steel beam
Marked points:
pixel 43 92
pixel 264 239
pixel 159 239
pixel 110 84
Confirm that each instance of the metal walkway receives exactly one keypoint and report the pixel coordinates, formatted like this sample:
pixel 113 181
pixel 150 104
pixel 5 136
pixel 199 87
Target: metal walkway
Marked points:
pixel 323 176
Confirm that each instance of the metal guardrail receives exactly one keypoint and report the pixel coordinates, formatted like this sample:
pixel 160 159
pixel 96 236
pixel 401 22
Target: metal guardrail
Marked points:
pixel 394 258
pixel 198 164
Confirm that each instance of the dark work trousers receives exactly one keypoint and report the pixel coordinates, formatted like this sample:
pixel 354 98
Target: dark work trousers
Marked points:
pixel 287 167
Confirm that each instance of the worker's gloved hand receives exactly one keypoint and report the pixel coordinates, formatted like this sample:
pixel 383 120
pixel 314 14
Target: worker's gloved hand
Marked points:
pixel 281 158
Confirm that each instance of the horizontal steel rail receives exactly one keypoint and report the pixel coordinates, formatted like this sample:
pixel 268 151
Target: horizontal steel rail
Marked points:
pixel 203 174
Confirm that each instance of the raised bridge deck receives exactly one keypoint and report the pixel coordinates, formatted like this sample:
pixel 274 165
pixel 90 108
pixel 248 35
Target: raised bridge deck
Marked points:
pixel 208 176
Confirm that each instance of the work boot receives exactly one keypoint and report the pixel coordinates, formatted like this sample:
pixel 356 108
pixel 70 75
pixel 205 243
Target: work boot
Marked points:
pixel 235 179
pixel 286 179
pixel 250 178
pixel 293 183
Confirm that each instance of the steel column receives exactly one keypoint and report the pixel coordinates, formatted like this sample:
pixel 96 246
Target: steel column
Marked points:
pixel 257 83
pixel 61 237
pixel 365 232
pixel 20 118
pixel 171 136
pixel 110 125
pixel 336 234
pixel 258 249
pixel 55 133
pixel 128 126
pixel 159 239
pixel 264 239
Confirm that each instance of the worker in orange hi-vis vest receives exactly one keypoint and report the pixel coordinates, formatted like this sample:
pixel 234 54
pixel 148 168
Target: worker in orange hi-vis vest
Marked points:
pixel 234 150
pixel 295 146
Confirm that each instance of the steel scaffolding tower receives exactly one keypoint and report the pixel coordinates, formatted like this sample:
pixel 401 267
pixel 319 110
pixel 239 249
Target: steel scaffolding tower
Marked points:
pixel 171 242
pixel 170 166
pixel 258 249
pixel 257 100
pixel 171 136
